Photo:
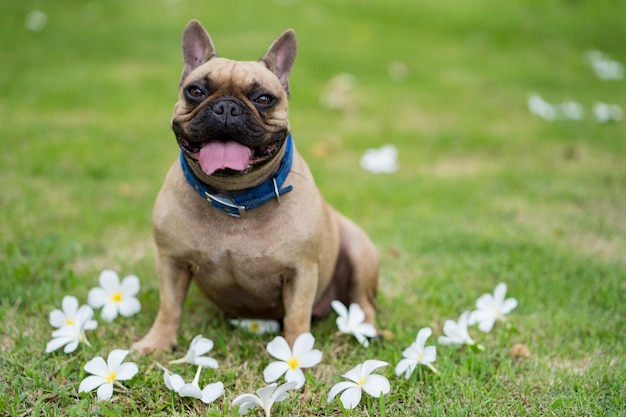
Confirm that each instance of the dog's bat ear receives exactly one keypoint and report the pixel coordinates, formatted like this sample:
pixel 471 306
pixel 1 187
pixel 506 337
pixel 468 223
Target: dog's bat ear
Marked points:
pixel 197 47
pixel 280 56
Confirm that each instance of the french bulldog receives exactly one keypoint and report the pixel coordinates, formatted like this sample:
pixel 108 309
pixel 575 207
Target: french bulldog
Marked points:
pixel 239 212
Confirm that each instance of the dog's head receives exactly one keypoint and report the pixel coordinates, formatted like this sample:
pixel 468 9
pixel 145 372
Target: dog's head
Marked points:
pixel 232 116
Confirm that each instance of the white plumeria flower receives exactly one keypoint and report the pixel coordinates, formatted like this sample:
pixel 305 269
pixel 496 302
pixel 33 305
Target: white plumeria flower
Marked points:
pixel 70 335
pixel 291 362
pixel 360 379
pixel 352 321
pixel 115 297
pixel 207 395
pixel 104 374
pixel 67 316
pixel 457 333
pixel 257 326
pixel 265 398
pixel 490 308
pixel 417 354
pixel 198 347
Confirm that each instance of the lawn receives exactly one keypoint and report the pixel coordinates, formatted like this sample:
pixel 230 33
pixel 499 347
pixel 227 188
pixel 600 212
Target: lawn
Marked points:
pixel 486 192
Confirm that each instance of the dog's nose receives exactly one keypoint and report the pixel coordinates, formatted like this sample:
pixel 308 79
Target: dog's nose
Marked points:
pixel 227 108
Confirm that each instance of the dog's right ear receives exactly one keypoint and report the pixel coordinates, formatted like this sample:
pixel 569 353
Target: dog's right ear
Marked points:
pixel 197 47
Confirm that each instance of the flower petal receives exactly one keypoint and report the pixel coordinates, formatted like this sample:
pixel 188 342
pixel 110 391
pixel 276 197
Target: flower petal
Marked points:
pixel 274 370
pixel 115 358
pixel 303 344
pixel 422 336
pixel 376 385
pixel 126 371
pixel 371 365
pixel 105 391
pixel 485 301
pixel 206 362
pixel 351 398
pixel 339 308
pixel 130 286
pixel 190 390
pixel 280 393
pixel 69 305
pixel 430 354
pixel 96 297
pixel 57 343
pixel 340 386
pixel 173 381
pixel 508 305
pixel 212 392
pixel 201 345
pixel 90 383
pixel 406 367
pixel 356 314
pixel 295 375
pixel 310 359
pixel 57 318
pixel 279 348
pixel 97 366
pixel 129 306
pixel 486 324
pixel 71 347
pixel 109 312
pixel 499 293
pixel 246 402
pixel 109 281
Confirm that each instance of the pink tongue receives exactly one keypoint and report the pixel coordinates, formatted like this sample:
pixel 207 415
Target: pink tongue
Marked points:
pixel 220 155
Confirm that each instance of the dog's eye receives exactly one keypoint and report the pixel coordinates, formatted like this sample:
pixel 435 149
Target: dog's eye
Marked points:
pixel 264 99
pixel 194 92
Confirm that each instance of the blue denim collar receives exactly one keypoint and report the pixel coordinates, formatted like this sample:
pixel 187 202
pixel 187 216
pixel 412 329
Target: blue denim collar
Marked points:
pixel 237 204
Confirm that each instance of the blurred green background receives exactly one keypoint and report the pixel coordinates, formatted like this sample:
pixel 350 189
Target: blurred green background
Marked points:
pixel 486 191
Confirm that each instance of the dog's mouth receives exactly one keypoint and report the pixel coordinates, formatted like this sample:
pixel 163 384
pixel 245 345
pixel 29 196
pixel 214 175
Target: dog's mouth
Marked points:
pixel 227 156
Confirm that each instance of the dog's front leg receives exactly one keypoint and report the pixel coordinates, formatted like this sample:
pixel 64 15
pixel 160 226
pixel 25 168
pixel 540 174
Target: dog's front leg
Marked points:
pixel 298 298
pixel 174 279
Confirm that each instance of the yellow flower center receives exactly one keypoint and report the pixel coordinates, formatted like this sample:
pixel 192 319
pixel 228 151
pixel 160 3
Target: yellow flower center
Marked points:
pixel 69 321
pixel 117 297
pixel 254 327
pixel 111 377
pixel 362 381
pixel 293 364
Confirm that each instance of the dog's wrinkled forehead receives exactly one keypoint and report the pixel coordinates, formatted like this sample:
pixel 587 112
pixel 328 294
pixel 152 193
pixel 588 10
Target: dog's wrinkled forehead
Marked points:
pixel 232 77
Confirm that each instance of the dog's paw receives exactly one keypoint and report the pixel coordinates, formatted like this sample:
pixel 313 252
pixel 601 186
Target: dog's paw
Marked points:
pixel 153 344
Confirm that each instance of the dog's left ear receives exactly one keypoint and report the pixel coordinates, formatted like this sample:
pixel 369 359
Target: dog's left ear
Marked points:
pixel 280 56
pixel 197 47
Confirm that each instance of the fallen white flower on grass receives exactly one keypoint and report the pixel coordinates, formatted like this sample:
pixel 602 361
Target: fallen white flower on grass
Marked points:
pixel 257 326
pixel 69 315
pixel 115 297
pixel 604 67
pixel 198 347
pixel 291 362
pixel 360 379
pixel 380 161
pixel 265 398
pixel 417 354
pixel 104 374
pixel 456 332
pixel 352 321
pixel 539 107
pixel 607 112
pixel 207 395
pixel 71 335
pixel 490 308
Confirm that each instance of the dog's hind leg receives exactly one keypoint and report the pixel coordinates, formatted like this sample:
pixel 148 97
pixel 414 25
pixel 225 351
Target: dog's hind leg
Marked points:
pixel 355 279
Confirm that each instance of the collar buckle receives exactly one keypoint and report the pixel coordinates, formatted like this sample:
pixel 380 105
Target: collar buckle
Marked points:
pixel 226 204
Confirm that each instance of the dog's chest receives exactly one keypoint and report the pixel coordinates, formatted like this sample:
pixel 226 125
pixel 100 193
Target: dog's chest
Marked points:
pixel 242 283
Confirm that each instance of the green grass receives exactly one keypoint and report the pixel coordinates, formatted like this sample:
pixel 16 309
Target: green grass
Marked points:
pixel 486 193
